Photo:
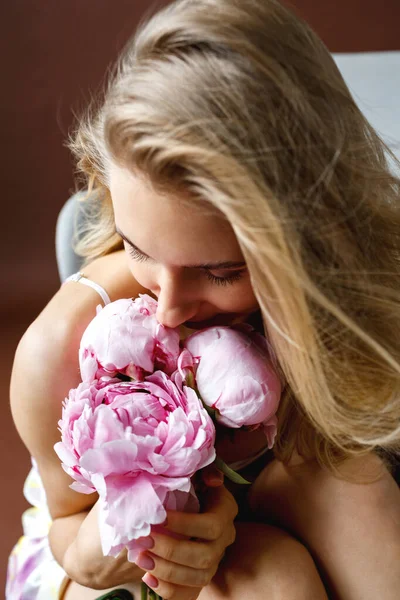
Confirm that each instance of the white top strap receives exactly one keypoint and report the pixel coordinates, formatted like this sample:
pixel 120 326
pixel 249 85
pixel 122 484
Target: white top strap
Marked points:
pixel 80 278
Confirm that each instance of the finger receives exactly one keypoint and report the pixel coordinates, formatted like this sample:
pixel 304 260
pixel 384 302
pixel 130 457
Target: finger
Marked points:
pixel 220 501
pixel 196 554
pixel 168 591
pixel 173 573
pixel 212 476
pixel 220 511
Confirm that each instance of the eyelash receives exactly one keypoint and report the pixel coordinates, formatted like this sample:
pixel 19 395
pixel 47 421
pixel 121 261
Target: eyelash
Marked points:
pixel 224 280
pixel 137 255
pixel 213 278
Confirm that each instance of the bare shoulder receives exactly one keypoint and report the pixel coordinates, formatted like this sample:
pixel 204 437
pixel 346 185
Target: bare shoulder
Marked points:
pixel 113 274
pixel 350 521
pixel 303 492
pixel 46 367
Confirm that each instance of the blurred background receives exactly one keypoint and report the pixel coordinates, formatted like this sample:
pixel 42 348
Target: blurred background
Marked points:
pixel 53 55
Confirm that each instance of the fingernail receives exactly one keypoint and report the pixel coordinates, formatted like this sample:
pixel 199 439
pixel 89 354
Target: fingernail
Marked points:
pixel 145 562
pixel 150 580
pixel 146 542
pixel 217 478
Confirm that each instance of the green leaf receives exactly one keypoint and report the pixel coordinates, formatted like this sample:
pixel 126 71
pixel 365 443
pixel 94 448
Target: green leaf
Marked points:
pixel 230 473
pixel 211 411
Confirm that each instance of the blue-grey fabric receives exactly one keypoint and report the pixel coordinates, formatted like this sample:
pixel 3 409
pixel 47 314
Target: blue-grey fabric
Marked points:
pixel 68 261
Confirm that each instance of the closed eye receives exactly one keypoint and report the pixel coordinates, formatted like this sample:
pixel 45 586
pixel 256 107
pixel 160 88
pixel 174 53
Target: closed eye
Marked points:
pixel 138 255
pixel 226 280
pixel 218 280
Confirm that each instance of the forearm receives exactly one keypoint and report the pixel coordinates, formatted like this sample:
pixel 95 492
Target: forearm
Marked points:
pixel 63 533
pixel 76 545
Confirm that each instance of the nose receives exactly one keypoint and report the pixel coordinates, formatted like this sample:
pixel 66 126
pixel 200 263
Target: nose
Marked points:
pixel 178 299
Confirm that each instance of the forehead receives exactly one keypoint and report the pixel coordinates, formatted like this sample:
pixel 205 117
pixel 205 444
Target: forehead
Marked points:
pixel 169 228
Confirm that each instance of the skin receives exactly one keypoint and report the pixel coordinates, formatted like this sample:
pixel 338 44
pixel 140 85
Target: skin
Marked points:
pixel 47 356
pixel 315 532
pixel 172 239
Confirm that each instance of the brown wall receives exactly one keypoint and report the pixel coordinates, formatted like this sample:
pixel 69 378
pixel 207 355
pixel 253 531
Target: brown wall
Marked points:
pixel 52 54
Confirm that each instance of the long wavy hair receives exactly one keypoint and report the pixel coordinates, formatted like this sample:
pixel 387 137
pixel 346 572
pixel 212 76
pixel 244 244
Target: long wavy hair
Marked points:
pixel 241 106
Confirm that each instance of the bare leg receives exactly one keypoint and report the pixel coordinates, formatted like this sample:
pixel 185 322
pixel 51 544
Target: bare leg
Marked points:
pixel 263 562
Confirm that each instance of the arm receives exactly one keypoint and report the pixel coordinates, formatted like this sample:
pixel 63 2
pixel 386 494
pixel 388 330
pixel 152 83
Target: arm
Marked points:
pixel 75 541
pixel 45 369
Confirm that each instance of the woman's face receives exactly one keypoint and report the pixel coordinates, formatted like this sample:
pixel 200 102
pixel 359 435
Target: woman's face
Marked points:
pixel 190 261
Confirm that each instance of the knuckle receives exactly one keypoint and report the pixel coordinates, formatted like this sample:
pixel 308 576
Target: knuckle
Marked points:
pixel 165 590
pixel 218 556
pixel 206 562
pixel 214 529
pixel 232 536
pixel 169 552
pixel 205 577
pixel 167 572
pixel 171 592
pixel 217 565
pixel 235 508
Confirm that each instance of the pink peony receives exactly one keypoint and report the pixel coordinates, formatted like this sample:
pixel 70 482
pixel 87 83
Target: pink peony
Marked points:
pixel 125 337
pixel 234 376
pixel 137 444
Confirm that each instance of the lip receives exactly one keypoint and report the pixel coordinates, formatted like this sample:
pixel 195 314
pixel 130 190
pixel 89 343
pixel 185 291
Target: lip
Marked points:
pixel 219 320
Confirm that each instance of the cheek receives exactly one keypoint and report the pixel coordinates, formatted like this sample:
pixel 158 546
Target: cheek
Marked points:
pixel 142 273
pixel 238 297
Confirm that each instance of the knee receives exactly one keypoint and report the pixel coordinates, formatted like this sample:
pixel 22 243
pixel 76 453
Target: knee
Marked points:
pixel 294 575
pixel 266 562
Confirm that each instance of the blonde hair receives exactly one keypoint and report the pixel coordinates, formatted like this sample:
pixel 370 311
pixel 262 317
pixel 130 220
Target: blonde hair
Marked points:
pixel 241 105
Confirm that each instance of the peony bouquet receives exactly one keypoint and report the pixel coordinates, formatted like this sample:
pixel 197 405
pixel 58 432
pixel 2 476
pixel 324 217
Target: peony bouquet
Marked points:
pixel 141 423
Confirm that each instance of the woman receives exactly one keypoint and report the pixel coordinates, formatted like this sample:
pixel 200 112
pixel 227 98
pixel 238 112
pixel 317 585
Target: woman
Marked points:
pixel 231 162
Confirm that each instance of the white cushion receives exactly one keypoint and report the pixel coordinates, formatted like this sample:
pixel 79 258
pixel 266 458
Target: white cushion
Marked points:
pixel 374 80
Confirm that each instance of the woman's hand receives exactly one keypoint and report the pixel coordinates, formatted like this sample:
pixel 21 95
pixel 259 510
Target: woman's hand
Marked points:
pixel 183 564
pixel 178 569
pixel 84 561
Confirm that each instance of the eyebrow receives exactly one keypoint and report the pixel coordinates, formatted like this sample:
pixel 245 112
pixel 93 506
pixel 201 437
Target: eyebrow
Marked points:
pixel 230 264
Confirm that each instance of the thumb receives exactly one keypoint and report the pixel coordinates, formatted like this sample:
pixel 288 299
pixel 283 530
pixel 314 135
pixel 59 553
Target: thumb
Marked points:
pixel 212 477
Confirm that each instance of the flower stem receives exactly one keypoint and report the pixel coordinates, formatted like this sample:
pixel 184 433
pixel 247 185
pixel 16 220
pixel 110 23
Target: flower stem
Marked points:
pixel 230 473
pixel 143 591
pixel 146 593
